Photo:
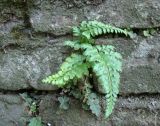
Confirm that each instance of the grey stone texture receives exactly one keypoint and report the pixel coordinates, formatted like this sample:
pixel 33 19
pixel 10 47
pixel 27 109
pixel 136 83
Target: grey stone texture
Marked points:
pixel 58 16
pixel 132 111
pixel 12 111
pixel 25 66
pixel 32 33
pixel 11 16
pixel 141 66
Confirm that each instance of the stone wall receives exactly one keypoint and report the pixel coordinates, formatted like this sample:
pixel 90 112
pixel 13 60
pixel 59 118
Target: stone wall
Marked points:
pixel 32 33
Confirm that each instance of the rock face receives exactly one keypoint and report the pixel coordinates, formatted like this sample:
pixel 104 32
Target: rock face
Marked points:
pixel 141 66
pixel 25 69
pixel 135 111
pixel 32 60
pixel 12 111
pixel 11 15
pixel 142 69
pixel 32 33
pixel 58 16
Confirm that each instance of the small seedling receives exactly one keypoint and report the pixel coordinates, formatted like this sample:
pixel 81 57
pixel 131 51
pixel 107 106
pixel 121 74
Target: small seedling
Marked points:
pixel 30 103
pixel 64 102
pixel 35 121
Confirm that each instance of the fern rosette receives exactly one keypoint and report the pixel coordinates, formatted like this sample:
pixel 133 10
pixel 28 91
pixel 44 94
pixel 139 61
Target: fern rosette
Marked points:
pixel 104 61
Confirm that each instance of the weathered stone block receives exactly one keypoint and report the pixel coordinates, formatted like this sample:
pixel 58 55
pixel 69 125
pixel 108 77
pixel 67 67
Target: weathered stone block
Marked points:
pixel 12 111
pixel 135 111
pixel 11 16
pixel 141 67
pixel 24 68
pixel 10 10
pixel 58 16
pixel 74 116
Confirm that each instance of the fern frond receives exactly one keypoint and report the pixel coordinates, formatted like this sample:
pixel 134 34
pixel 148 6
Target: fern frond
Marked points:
pixel 105 62
pixel 73 44
pixel 73 67
pixel 106 65
pixel 94 28
pixel 113 67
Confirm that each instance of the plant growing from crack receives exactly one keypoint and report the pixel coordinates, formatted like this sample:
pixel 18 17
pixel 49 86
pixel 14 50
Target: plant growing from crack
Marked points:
pixel 149 32
pixel 31 105
pixel 88 58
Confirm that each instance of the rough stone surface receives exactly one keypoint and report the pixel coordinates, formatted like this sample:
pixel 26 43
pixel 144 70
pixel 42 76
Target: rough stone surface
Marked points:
pixel 11 17
pixel 152 102
pixel 26 65
pixel 10 10
pixel 133 111
pixel 12 111
pixel 138 117
pixel 24 68
pixel 58 16
pixel 141 70
pixel 31 37
pixel 74 116
pixel 141 66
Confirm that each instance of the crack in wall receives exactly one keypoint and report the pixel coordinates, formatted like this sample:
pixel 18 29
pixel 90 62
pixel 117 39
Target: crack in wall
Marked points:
pixel 39 92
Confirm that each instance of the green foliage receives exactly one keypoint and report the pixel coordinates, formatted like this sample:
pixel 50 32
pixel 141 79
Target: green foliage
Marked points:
pixel 73 67
pixel 149 32
pixel 33 107
pixel 64 102
pixel 94 28
pixel 103 60
pixel 146 33
pixel 36 121
pixel 29 102
pixel 94 105
pixel 106 65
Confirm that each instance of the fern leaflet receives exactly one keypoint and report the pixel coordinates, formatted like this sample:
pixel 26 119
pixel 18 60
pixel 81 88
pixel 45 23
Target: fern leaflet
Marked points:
pixel 94 28
pixel 106 64
pixel 73 44
pixel 72 68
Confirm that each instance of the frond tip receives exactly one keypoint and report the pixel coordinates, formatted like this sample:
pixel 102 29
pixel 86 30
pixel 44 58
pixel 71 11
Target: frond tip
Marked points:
pixel 94 28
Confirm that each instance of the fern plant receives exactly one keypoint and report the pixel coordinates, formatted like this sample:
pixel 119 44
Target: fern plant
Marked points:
pixel 103 60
